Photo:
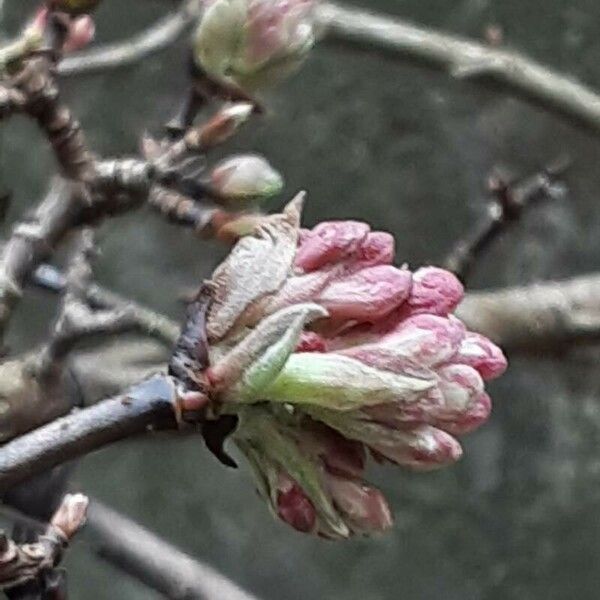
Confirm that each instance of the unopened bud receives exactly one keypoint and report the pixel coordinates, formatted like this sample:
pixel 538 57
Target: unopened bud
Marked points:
pixel 223 125
pixel 245 177
pixel 80 33
pixel 71 514
pixel 254 43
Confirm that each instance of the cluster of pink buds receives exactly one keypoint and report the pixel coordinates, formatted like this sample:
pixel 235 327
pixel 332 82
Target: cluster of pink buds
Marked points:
pixel 326 350
pixel 253 43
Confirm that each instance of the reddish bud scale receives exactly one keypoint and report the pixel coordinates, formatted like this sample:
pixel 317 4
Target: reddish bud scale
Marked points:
pixel 294 507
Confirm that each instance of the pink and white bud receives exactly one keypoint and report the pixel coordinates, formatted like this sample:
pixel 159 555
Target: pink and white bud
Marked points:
pixel 481 354
pixel 364 508
pixel 225 124
pixel 435 292
pixel 71 514
pixel 245 177
pixel 427 340
pixel 367 295
pixel 343 242
pixel 81 33
pixel 253 43
pixel 381 366
pixel 329 243
pixel 477 414
pixel 294 506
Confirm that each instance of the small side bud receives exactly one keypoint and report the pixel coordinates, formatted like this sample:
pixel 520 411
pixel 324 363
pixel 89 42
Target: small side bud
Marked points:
pixel 245 177
pixel 222 126
pixel 71 514
pixel 80 33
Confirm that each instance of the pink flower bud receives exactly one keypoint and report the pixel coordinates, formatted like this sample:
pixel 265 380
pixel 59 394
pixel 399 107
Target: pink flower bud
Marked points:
pixel 294 506
pixel 431 448
pixel 435 291
pixel 37 26
pixel 81 32
pixel 329 243
pixel 427 340
pixel 348 242
pixel 381 366
pixel 477 414
pixel 481 354
pixel 253 43
pixel 366 296
pixel 364 508
pixel 311 342
pixel 71 514
pixel 459 384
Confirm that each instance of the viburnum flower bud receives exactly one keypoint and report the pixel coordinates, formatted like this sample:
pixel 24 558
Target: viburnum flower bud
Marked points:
pixel 244 177
pixel 253 43
pixel 317 342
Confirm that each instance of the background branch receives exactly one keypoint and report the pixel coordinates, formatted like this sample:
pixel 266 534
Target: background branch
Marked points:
pixel 164 568
pixel 544 316
pixel 464 60
pixel 505 207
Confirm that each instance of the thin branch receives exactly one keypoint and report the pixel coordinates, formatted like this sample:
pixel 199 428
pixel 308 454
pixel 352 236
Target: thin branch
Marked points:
pixel 464 60
pixel 33 242
pixel 158 37
pixel 76 320
pixel 458 57
pixel 150 322
pixel 37 83
pixel 162 567
pixel 507 205
pixel 147 405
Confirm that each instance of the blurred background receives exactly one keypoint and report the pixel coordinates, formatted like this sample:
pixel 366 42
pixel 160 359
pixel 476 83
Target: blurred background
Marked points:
pixel 408 150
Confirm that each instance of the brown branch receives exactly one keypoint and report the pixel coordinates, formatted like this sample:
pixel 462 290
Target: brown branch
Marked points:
pixel 162 567
pixel 547 316
pixel 77 321
pixel 507 205
pixel 182 210
pixel 42 102
pixel 160 36
pixel 147 405
pixel 464 60
pixel 33 242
